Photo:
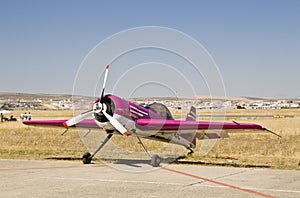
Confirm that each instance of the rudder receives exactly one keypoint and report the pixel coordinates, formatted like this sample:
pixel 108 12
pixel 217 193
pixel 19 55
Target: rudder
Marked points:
pixel 191 116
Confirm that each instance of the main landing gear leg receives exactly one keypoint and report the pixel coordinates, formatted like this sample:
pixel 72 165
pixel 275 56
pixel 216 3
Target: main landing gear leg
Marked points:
pixel 87 157
pixel 155 159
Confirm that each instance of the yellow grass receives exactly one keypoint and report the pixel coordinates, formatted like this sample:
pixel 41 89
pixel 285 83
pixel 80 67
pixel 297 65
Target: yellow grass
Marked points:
pixel 258 148
pixel 24 142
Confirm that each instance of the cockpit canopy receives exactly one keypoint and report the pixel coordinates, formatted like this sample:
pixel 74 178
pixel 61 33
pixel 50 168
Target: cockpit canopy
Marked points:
pixel 161 110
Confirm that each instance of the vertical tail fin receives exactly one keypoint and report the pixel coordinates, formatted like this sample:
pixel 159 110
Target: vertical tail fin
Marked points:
pixel 191 137
pixel 191 116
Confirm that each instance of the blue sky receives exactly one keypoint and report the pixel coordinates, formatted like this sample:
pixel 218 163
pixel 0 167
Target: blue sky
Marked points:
pixel 256 44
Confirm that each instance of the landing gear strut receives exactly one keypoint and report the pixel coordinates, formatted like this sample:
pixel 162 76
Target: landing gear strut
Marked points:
pixel 155 159
pixel 87 157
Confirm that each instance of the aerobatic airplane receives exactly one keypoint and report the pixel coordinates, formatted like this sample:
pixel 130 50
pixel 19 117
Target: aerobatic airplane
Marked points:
pixel 118 116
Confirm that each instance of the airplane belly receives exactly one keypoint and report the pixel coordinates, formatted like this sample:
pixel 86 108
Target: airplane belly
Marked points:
pixel 173 138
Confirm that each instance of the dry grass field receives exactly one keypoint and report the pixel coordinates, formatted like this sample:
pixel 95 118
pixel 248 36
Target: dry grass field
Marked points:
pixel 241 149
pixel 23 142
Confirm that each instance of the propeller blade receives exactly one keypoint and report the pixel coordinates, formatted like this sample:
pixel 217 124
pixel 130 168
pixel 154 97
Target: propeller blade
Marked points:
pixel 113 121
pixel 104 82
pixel 77 119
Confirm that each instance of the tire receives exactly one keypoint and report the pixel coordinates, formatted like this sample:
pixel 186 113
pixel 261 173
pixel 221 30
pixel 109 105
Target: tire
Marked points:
pixel 155 160
pixel 86 158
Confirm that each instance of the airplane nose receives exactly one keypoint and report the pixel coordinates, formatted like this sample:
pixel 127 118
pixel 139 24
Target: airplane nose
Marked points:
pixel 97 107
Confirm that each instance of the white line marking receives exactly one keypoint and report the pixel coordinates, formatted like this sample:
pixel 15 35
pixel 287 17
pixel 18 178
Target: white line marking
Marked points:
pixel 116 181
pixel 274 190
pixel 168 183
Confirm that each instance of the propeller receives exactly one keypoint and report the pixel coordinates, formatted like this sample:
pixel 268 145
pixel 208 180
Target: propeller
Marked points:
pixel 77 119
pixel 98 107
pixel 104 82
pixel 113 121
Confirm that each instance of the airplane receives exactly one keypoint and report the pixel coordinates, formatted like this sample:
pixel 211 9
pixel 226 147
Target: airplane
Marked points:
pixel 117 116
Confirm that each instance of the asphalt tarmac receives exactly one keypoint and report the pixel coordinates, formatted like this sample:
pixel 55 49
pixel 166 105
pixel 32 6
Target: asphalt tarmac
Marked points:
pixel 24 178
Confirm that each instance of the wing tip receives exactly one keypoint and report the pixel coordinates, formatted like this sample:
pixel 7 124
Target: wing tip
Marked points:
pixel 267 130
pixel 65 125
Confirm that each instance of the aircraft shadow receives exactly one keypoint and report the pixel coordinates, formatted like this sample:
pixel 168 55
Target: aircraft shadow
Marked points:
pixel 136 162
pixel 139 162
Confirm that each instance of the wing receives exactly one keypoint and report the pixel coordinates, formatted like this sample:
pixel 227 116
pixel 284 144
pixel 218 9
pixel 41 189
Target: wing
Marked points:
pixel 173 125
pixel 88 123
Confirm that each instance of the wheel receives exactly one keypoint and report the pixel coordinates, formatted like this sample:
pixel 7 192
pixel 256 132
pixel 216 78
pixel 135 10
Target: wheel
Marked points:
pixel 86 158
pixel 155 160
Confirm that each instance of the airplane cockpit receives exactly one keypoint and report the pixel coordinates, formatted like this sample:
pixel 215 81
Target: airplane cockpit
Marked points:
pixel 161 110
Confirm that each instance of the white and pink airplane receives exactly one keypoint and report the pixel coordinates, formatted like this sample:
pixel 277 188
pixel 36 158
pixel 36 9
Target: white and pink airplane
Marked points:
pixel 118 116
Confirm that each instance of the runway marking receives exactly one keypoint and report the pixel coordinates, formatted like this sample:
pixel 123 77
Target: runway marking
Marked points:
pixel 274 190
pixel 117 181
pixel 165 183
pixel 52 167
pixel 218 183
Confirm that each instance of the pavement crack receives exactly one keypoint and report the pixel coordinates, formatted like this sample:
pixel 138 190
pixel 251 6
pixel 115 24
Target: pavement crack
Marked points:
pixel 231 174
pixel 220 177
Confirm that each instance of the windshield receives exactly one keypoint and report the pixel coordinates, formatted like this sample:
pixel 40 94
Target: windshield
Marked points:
pixel 161 110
